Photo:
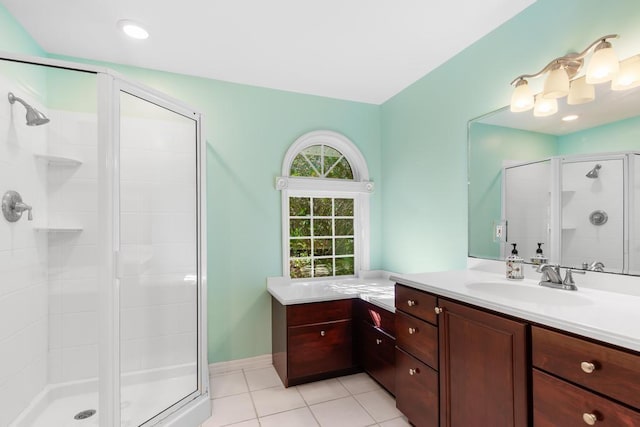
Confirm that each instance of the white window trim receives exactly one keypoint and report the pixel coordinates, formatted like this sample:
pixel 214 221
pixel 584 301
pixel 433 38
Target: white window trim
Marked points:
pixel 359 189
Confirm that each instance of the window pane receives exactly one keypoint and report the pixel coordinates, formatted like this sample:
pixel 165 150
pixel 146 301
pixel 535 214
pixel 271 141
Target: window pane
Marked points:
pixel 344 227
pixel 299 206
pixel 300 167
pixel 300 248
pixel 342 170
pixel 322 207
pixel 344 246
pixel 299 227
pixel 344 207
pixel 322 247
pixel 323 267
pixel 314 155
pixel 331 156
pixel 300 268
pixel 344 266
pixel 322 227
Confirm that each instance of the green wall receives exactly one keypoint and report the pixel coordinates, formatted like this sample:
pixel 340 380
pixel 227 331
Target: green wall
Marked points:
pixel 424 127
pixel 247 131
pixel 623 135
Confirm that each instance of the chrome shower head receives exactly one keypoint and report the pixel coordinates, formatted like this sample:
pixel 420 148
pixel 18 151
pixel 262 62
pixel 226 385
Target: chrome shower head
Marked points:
pixel 34 117
pixel 593 173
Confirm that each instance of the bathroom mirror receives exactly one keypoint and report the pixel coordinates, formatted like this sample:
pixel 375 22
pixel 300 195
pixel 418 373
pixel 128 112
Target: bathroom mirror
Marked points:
pixel 572 185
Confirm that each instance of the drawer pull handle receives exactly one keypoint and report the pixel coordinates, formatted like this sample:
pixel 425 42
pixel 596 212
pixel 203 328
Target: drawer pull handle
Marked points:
pixel 438 310
pixel 412 331
pixel 411 303
pixel 589 419
pixel 413 371
pixel 378 341
pixel 322 333
pixel 587 367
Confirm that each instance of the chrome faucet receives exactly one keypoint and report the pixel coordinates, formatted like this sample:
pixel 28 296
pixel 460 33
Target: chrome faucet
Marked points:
pixel 594 266
pixel 552 278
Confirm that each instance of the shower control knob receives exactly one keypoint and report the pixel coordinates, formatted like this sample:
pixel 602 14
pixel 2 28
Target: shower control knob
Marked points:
pixel 13 207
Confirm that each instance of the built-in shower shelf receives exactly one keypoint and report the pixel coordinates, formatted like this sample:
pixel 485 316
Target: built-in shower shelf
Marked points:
pixel 58 160
pixel 59 229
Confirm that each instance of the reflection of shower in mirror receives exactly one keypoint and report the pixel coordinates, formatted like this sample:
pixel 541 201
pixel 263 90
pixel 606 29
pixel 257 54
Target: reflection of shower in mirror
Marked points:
pixel 593 173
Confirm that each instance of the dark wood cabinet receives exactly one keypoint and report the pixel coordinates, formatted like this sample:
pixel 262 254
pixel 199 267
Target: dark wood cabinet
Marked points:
pixel 416 390
pixel 375 343
pixel 417 356
pixel 577 382
pixel 312 341
pixel 483 368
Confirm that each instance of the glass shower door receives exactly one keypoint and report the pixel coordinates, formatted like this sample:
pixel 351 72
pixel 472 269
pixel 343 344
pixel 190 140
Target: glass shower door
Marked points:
pixel 159 257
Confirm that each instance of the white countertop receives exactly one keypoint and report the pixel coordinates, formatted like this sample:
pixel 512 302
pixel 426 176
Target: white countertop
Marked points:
pixel 611 317
pixel 378 291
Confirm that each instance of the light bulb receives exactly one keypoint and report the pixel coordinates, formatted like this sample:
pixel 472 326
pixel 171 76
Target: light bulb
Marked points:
pixel 604 64
pixel 545 107
pixel 629 75
pixel 580 92
pixel 522 98
pixel 557 84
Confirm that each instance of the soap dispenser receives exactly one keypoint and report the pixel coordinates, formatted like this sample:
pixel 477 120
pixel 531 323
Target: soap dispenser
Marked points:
pixel 539 258
pixel 515 265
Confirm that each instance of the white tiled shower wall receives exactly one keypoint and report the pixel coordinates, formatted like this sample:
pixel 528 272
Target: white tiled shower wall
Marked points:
pixel 23 258
pixel 73 264
pixel 581 240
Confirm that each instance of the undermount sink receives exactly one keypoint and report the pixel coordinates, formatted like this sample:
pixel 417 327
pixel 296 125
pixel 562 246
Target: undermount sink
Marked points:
pixel 532 293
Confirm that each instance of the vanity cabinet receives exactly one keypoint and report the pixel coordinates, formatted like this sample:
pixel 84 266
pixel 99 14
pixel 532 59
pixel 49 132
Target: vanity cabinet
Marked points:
pixel 580 382
pixel 458 366
pixel 483 368
pixel 416 356
pixel 375 343
pixel 312 341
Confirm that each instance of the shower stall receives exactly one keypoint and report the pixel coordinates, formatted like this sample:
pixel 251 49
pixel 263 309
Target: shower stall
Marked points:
pixel 102 251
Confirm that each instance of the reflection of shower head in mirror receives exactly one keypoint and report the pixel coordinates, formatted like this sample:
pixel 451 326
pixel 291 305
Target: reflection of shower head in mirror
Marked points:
pixel 593 173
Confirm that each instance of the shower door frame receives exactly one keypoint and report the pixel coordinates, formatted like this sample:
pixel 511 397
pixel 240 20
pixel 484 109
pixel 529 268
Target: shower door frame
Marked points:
pixel 109 85
pixel 112 89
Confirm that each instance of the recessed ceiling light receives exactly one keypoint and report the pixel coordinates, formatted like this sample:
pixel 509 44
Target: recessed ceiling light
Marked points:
pixel 133 29
pixel 569 118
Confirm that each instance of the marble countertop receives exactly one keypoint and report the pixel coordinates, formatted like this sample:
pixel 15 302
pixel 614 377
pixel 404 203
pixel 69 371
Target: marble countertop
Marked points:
pixel 611 317
pixel 378 291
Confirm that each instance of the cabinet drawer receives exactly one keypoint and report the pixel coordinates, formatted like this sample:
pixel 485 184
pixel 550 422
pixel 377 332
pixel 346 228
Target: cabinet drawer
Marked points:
pixel 418 338
pixel 376 316
pixel 558 403
pixel 317 312
pixel 319 348
pixel 616 373
pixel 417 303
pixel 381 370
pixel 416 390
pixel 374 341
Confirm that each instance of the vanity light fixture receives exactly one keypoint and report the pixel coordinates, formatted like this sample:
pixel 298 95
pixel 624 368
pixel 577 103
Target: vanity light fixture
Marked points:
pixel 603 66
pixel 133 29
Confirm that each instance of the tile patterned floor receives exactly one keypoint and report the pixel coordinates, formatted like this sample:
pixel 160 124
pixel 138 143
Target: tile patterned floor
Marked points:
pixel 257 398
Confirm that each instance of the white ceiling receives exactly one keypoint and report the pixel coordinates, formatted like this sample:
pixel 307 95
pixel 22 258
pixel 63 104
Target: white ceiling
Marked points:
pixel 360 50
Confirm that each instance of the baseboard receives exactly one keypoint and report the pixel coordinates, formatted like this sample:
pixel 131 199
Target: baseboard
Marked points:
pixel 256 362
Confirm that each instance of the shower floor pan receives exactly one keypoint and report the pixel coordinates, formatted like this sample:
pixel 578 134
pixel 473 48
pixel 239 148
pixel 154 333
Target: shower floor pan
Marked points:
pixel 63 405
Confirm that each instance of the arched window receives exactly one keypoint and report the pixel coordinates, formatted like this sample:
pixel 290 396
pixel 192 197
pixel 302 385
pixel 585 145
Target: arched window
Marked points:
pixel 325 207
